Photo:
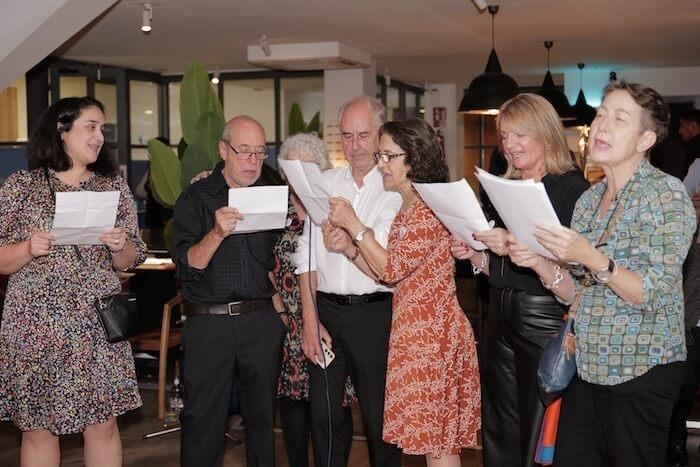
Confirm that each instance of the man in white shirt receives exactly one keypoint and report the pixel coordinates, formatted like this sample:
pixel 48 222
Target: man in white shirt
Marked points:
pixel 354 311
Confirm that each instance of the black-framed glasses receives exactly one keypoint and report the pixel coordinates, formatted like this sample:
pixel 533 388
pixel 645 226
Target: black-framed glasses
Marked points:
pixel 245 153
pixel 386 157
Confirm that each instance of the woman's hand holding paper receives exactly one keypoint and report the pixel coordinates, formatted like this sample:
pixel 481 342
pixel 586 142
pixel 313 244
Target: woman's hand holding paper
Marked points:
pixel 565 244
pixel 495 239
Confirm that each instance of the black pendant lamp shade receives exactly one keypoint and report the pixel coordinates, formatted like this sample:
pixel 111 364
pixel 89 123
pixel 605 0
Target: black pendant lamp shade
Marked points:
pixel 489 90
pixel 555 97
pixel 584 113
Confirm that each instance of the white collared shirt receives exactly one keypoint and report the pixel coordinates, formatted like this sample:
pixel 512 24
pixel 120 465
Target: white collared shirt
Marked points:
pixel 375 207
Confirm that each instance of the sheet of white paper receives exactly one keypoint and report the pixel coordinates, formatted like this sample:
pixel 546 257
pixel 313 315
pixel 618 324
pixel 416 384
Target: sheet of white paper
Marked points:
pixel 264 207
pixel 456 206
pixel 310 187
pixel 522 204
pixel 82 216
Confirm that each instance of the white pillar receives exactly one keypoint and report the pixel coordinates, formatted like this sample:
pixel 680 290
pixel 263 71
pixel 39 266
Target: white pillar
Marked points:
pixel 443 99
pixel 340 86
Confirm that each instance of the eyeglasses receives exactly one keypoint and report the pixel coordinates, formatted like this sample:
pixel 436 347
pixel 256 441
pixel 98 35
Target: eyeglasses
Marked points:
pixel 386 157
pixel 245 153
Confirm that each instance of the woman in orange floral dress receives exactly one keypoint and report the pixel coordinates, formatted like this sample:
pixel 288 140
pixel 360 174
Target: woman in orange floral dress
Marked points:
pixel 432 402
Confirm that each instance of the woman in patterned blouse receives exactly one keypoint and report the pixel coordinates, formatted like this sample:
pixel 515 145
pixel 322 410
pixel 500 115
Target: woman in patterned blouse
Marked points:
pixel 293 390
pixel 630 344
pixel 58 373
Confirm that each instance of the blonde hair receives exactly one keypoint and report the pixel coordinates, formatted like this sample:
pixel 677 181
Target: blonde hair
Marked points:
pixel 534 116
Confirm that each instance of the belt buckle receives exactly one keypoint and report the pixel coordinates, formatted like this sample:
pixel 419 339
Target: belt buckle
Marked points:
pixel 230 310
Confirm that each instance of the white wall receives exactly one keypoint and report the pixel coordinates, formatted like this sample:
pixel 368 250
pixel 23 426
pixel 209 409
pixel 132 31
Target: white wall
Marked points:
pixel 448 95
pixel 31 29
pixel 669 82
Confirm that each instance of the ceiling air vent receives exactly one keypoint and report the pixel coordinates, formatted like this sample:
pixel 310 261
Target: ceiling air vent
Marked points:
pixel 308 56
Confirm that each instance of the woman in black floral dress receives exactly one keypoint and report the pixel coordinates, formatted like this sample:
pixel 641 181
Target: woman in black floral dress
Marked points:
pixel 58 373
pixel 293 389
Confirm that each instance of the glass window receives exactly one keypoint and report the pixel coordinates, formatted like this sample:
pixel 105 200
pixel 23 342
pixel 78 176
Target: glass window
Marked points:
pixel 143 102
pixel 72 86
pixel 174 117
pixel 13 111
pixel 253 97
pixel 308 93
pixel 411 110
pixel 392 104
pixel 107 94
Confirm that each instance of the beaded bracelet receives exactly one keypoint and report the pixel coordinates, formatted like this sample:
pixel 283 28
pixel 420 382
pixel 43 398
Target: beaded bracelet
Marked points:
pixel 480 268
pixel 558 277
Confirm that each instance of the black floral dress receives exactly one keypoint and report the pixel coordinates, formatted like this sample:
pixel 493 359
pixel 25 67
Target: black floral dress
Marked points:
pixel 57 370
pixel 294 375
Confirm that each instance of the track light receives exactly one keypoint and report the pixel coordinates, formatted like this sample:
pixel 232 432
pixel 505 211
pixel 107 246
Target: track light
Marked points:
pixel 387 77
pixel 480 4
pixel 216 78
pixel 146 17
pixel 265 46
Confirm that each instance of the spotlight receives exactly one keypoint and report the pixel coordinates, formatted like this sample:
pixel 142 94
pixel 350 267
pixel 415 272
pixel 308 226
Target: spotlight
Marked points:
pixel 387 77
pixel 216 78
pixel 480 4
pixel 146 17
pixel 265 46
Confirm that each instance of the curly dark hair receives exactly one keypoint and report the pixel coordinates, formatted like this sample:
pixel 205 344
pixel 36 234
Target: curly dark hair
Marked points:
pixel 424 154
pixel 46 147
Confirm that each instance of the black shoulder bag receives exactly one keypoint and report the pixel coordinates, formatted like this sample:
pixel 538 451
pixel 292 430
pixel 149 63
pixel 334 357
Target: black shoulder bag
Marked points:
pixel 118 313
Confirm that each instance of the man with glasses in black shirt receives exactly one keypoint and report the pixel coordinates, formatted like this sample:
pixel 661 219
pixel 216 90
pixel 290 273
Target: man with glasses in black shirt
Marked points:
pixel 231 321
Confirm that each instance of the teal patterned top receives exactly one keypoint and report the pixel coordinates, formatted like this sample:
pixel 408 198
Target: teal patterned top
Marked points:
pixel 616 340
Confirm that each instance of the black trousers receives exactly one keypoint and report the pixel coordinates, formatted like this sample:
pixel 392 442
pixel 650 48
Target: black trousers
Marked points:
pixel 517 328
pixel 678 434
pixel 360 336
pixel 213 347
pixel 295 416
pixel 625 425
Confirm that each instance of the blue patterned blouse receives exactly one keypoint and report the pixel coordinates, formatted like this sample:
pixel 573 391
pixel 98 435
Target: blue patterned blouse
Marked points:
pixel 617 341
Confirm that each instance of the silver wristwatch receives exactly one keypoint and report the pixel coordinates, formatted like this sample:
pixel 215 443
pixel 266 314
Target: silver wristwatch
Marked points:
pixel 359 236
pixel 605 275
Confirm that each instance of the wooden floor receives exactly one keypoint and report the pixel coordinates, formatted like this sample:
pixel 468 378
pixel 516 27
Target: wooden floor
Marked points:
pixel 164 451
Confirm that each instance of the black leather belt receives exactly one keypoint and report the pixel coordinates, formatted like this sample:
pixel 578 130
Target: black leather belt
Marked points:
pixel 354 299
pixel 231 309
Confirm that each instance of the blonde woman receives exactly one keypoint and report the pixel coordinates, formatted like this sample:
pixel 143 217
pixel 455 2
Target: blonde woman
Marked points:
pixel 524 315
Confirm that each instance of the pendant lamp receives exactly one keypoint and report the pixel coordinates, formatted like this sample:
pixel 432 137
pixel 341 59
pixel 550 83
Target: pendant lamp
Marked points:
pixel 583 112
pixel 555 97
pixel 489 90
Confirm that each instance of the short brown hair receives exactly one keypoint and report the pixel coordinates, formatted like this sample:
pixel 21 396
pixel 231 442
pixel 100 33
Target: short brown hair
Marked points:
pixel 655 116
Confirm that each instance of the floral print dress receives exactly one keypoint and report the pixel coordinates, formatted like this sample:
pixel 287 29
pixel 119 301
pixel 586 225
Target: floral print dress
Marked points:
pixel 433 400
pixel 294 375
pixel 57 370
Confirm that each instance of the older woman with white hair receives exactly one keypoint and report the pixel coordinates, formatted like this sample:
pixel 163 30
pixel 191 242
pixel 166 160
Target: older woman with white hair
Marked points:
pixel 293 391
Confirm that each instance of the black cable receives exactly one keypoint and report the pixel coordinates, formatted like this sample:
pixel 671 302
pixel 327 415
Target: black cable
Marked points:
pixel 318 333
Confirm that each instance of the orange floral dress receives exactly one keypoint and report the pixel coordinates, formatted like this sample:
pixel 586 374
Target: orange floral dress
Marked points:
pixel 433 399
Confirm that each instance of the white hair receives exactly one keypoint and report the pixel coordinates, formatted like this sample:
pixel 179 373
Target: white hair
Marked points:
pixel 377 108
pixel 306 147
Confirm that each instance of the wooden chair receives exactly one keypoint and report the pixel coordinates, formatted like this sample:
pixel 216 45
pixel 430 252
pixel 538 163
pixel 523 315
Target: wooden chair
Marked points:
pixel 162 341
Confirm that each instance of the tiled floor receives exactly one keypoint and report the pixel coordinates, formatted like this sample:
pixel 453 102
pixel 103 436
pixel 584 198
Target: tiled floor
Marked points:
pixel 164 451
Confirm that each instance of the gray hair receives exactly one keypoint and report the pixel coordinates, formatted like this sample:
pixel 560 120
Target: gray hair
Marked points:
pixel 307 147
pixel 377 108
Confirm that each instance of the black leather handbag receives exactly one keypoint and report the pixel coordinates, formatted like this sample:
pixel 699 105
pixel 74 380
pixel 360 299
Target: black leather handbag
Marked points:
pixel 119 316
